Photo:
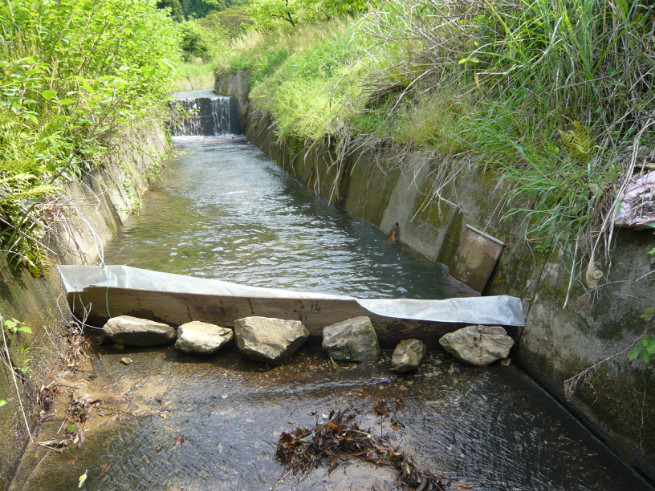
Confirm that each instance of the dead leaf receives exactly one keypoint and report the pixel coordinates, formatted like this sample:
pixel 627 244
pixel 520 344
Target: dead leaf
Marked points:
pixel 105 443
pixel 335 463
pixel 72 461
pixel 179 441
pixel 83 478
pixel 105 467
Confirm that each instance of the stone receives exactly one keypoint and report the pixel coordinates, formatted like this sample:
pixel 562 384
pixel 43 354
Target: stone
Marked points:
pixel 267 339
pixel 408 355
pixel 478 345
pixel 127 361
pixel 202 337
pixel 352 340
pixel 133 331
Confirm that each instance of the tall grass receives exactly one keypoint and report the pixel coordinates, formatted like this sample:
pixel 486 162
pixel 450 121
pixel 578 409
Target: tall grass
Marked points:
pixel 543 78
pixel 557 94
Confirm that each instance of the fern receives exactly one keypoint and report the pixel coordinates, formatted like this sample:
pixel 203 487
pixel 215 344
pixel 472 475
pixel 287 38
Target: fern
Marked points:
pixel 578 142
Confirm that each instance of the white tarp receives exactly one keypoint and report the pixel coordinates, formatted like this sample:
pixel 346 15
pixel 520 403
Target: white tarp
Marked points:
pixel 503 309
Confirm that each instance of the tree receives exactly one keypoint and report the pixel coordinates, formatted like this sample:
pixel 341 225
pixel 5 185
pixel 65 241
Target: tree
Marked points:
pixel 175 9
pixel 267 14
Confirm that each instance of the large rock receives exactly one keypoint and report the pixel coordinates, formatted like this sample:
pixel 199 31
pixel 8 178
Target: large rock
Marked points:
pixel 269 340
pixel 201 337
pixel 126 329
pixel 478 345
pixel 352 340
pixel 408 355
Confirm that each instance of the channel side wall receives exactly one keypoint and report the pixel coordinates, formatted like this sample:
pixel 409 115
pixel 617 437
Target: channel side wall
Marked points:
pixel 385 186
pixel 94 207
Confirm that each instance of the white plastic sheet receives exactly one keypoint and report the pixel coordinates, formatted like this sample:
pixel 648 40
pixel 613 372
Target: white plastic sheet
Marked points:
pixel 502 310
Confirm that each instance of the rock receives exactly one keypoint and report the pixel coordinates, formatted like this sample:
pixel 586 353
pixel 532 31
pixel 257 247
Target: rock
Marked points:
pixel 127 361
pixel 352 340
pixel 408 355
pixel 201 337
pixel 478 345
pixel 268 340
pixel 130 330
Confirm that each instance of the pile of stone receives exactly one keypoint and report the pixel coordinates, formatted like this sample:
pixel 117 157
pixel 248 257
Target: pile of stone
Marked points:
pixel 274 340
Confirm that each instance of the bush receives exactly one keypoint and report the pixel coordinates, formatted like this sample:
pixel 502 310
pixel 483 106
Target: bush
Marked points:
pixel 72 74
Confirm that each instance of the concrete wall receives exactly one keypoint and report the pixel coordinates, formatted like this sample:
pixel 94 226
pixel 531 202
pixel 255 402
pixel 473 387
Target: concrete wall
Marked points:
pixel 94 208
pixel 386 186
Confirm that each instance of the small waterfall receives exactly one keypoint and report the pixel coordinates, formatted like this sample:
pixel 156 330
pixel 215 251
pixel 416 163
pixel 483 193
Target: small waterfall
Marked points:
pixel 203 113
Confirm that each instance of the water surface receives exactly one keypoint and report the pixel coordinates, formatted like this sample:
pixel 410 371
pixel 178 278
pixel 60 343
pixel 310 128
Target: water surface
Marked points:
pixel 225 210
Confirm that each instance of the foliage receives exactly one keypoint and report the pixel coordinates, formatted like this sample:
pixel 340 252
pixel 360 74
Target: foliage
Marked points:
pixel 232 22
pixel 645 349
pixel 197 9
pixel 14 326
pixel 194 75
pixel 174 7
pixel 24 360
pixel 559 95
pixel 194 42
pixel 72 74
pixel 4 402
pixel 269 14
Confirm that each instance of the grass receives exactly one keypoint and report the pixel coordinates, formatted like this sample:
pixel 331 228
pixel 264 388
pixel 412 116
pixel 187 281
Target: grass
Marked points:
pixel 558 95
pixel 194 75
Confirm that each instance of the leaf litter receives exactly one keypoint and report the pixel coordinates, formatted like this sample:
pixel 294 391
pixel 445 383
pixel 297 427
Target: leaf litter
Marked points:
pixel 341 438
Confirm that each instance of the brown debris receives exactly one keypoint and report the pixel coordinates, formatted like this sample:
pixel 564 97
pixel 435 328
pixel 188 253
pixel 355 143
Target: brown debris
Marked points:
pixel 382 407
pixel 303 449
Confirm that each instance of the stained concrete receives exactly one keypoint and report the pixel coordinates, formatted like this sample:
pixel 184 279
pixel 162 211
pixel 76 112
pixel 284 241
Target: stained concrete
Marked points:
pixel 94 207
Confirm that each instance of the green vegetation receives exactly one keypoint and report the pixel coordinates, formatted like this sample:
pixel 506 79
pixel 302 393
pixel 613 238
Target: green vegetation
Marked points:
pixel 73 74
pixel 203 41
pixel 14 326
pixel 268 14
pixel 645 350
pixel 556 95
pixel 197 9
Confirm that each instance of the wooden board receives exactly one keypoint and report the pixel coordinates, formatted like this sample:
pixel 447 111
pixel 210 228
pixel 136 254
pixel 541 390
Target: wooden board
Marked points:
pixel 176 308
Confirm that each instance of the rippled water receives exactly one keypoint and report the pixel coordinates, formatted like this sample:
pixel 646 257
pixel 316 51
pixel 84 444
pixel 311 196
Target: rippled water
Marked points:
pixel 225 210
pixel 489 428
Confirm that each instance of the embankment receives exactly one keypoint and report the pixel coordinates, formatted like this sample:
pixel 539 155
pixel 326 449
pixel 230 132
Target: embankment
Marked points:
pixel 89 212
pixel 598 326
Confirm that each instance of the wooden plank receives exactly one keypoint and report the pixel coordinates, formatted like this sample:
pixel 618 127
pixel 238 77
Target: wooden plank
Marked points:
pixel 176 308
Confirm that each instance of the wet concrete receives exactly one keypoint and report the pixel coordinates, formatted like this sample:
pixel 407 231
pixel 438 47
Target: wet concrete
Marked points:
pixel 487 428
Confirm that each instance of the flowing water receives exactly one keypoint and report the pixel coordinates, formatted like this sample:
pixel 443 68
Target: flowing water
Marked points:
pixel 223 209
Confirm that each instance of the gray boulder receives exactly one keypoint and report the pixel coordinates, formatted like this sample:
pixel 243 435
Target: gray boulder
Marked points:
pixel 408 355
pixel 478 345
pixel 201 337
pixel 352 340
pixel 126 329
pixel 268 340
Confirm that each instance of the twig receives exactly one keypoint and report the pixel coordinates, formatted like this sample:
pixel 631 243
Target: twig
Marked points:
pixel 13 376
pixel 279 481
